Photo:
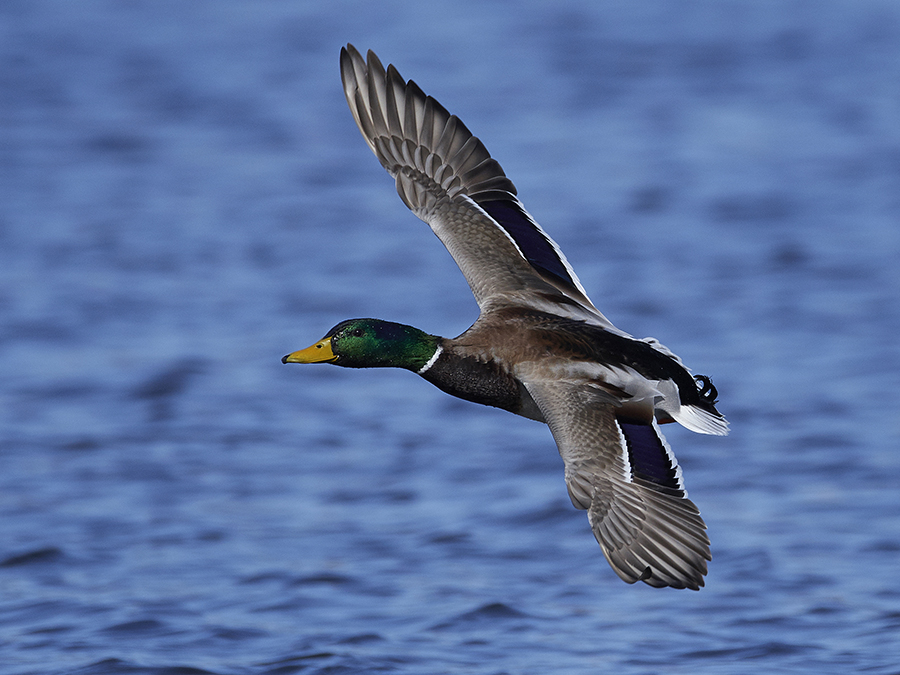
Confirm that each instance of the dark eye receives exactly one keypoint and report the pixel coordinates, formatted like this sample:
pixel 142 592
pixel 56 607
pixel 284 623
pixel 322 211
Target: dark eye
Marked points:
pixel 357 332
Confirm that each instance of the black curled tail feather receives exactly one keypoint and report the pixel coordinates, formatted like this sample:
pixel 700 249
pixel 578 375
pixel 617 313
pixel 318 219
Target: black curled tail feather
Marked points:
pixel 707 389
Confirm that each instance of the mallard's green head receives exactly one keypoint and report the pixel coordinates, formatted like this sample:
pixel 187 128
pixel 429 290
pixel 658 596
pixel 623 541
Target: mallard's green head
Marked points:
pixel 370 343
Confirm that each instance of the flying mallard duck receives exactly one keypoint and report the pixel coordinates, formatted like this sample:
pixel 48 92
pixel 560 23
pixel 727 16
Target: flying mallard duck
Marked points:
pixel 540 348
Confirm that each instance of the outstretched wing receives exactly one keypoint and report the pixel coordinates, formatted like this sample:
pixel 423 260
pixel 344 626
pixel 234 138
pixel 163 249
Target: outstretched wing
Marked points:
pixel 624 474
pixel 448 179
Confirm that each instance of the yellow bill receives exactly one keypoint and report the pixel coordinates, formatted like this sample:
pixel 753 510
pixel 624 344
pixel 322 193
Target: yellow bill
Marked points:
pixel 317 353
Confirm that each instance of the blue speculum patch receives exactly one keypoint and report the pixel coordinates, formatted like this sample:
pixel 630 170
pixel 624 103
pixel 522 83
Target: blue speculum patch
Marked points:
pixel 533 243
pixel 648 457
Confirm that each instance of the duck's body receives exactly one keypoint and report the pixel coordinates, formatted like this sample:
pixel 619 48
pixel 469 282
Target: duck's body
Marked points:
pixel 539 349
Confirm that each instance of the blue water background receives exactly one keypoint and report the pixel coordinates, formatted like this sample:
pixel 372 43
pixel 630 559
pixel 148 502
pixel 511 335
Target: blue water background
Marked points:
pixel 184 198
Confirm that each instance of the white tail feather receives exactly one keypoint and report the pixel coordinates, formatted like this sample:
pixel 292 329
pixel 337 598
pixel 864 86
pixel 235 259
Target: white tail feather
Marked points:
pixel 699 420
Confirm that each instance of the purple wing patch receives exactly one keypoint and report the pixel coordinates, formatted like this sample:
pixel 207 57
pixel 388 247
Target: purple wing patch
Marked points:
pixel 650 457
pixel 534 244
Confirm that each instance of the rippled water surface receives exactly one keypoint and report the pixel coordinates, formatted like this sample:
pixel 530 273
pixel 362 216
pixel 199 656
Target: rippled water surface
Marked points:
pixel 185 198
